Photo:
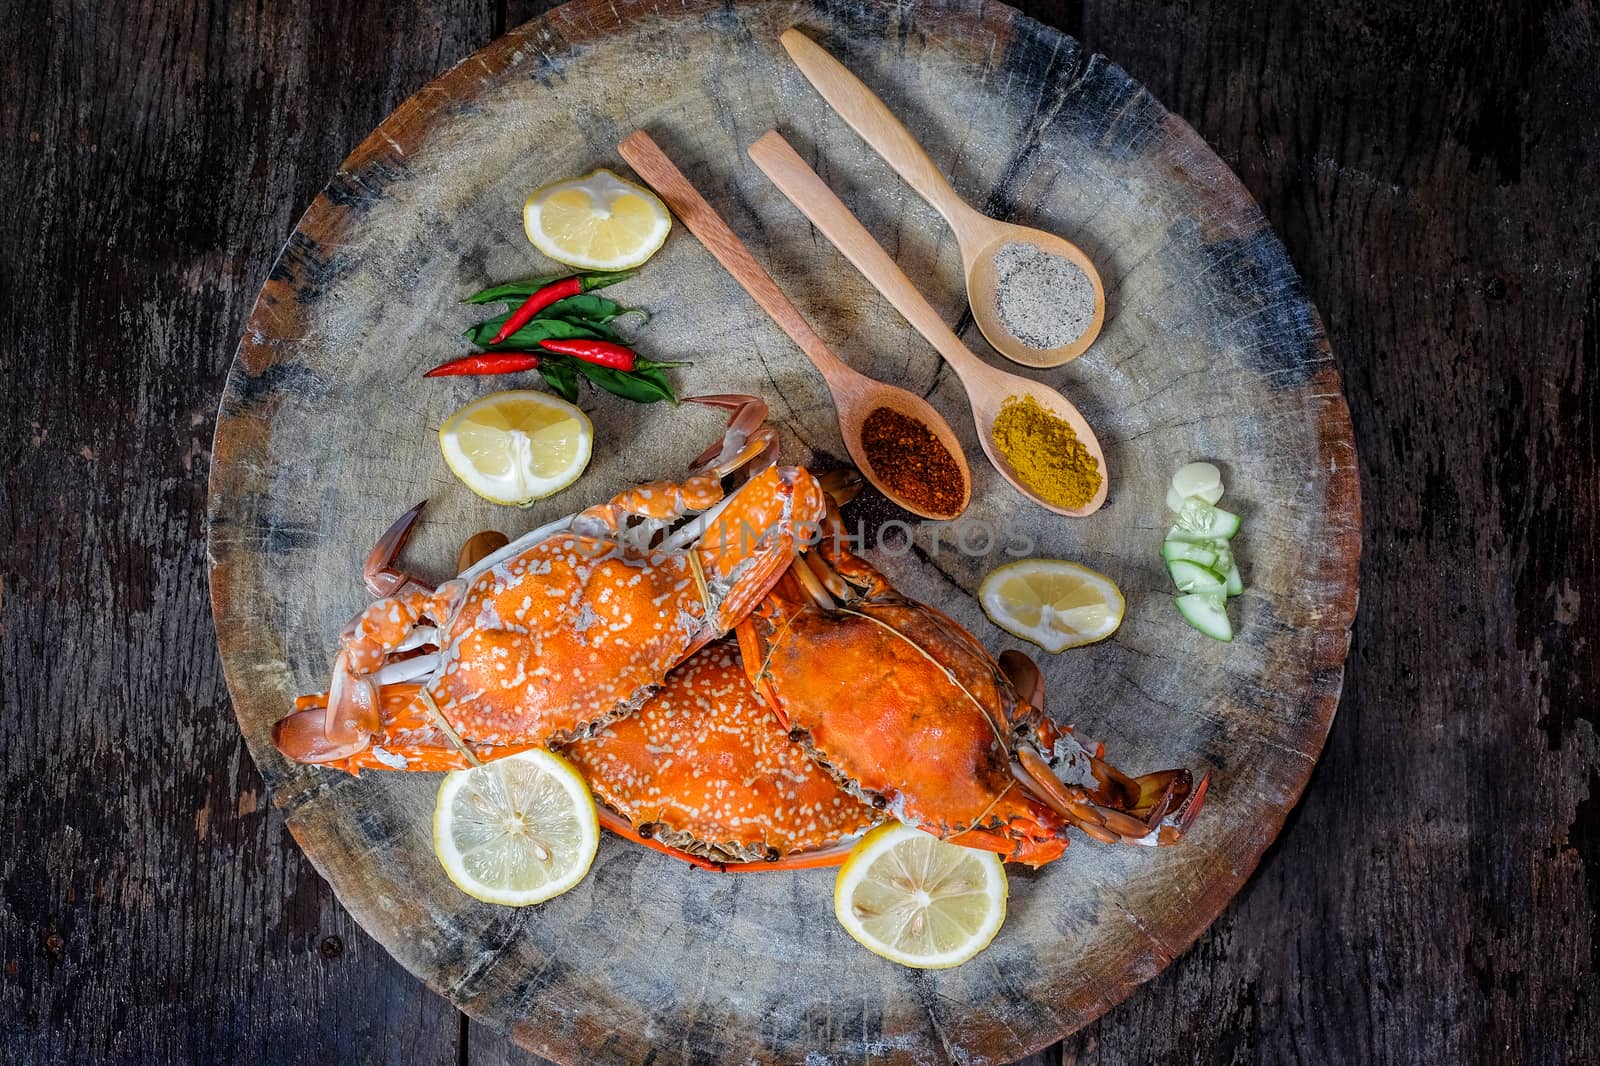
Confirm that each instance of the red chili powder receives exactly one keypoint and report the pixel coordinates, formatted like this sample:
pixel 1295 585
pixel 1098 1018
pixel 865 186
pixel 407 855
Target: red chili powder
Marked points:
pixel 907 457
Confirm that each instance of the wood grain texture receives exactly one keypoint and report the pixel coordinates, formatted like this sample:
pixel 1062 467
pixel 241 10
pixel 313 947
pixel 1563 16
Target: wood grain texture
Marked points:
pixel 1436 895
pixel 424 211
pixel 152 905
pixel 1433 898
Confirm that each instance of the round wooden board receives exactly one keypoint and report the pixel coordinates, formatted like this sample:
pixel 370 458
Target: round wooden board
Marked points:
pixel 1210 349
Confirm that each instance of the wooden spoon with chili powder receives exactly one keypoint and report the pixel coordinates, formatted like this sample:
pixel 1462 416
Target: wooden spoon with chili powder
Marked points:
pixel 856 397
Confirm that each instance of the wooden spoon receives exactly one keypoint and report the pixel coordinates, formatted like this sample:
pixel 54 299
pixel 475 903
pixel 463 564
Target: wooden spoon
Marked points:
pixel 855 396
pixel 978 235
pixel 987 388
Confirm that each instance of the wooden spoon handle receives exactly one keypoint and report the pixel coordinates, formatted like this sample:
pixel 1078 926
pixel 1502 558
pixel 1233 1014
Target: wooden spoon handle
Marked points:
pixel 887 135
pixel 651 163
pixel 827 212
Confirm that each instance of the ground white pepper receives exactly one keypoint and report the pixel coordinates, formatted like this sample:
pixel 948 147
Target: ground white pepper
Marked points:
pixel 1045 301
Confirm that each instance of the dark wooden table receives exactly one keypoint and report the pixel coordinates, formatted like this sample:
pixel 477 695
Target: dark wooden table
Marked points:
pixel 1435 174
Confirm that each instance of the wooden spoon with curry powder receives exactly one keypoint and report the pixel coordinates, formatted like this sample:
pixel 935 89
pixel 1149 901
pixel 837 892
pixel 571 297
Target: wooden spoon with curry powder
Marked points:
pixel 988 389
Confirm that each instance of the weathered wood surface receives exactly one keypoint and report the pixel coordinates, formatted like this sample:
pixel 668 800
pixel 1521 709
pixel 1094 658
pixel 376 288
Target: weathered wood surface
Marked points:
pixel 638 960
pixel 153 156
pixel 1432 899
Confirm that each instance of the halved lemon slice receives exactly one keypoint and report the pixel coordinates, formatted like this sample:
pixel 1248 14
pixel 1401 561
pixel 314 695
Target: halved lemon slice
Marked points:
pixel 516 447
pixel 918 900
pixel 516 831
pixel 598 221
pixel 1054 603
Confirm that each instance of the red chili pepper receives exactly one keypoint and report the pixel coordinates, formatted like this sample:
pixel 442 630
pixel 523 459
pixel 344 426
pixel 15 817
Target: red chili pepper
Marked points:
pixel 601 353
pixel 542 298
pixel 486 363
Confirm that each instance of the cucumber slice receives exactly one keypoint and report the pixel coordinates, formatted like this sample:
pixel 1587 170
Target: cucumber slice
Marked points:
pixel 1235 583
pixel 1204 554
pixel 1207 612
pixel 1192 577
pixel 1199 521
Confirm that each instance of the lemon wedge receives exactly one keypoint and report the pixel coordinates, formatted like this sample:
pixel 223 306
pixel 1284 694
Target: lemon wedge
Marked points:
pixel 517 447
pixel 516 831
pixel 598 222
pixel 918 900
pixel 1051 602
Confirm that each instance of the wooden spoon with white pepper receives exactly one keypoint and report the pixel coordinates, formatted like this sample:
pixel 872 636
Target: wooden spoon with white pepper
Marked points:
pixel 982 239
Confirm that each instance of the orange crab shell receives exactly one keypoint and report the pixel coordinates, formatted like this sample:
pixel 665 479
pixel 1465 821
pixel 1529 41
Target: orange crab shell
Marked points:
pixel 576 631
pixel 905 708
pixel 706 768
pixel 562 636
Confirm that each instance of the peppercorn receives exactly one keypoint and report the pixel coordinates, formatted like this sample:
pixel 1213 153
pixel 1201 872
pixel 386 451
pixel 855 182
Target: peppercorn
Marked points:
pixel 906 456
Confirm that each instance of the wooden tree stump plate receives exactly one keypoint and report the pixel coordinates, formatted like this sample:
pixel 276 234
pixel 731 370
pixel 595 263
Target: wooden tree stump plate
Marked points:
pixel 1210 349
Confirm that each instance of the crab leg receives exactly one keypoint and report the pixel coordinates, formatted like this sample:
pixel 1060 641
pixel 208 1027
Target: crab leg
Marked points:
pixel 1034 772
pixel 746 438
pixel 406 669
pixel 691 530
pixel 1008 847
pixel 662 500
pixel 825 574
pixel 1123 808
pixel 816 591
pixel 656 500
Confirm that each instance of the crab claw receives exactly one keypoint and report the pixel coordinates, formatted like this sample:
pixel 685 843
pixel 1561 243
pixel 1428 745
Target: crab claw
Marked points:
pixel 1179 803
pixel 380 574
pixel 300 737
pixel 352 715
pixel 747 437
pixel 344 727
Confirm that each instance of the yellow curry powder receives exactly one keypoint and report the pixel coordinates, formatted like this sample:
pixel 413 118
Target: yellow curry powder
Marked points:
pixel 1046 455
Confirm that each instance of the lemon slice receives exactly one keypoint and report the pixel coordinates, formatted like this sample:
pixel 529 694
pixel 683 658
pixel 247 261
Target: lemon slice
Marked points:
pixel 918 900
pixel 1053 603
pixel 516 831
pixel 598 222
pixel 516 447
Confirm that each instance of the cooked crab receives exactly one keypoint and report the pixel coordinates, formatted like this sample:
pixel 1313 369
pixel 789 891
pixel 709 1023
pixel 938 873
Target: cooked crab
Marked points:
pixel 564 630
pixel 704 771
